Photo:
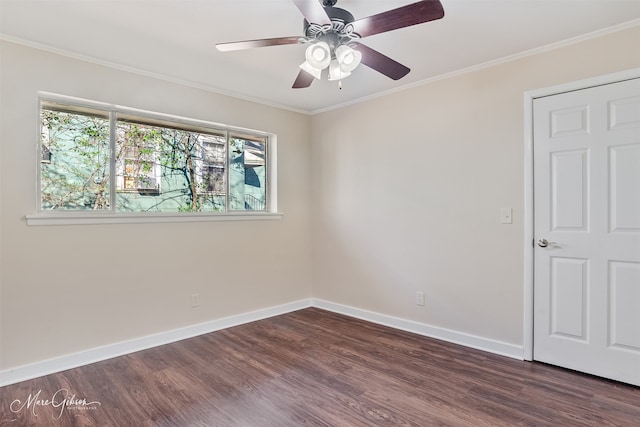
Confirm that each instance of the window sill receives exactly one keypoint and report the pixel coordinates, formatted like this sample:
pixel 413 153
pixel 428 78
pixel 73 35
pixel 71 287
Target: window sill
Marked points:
pixel 67 218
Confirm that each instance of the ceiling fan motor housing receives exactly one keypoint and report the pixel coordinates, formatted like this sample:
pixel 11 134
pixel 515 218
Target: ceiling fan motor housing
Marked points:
pixel 337 33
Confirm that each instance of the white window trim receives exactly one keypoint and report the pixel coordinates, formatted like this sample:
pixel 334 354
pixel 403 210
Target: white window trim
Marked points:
pixel 92 217
pixel 68 218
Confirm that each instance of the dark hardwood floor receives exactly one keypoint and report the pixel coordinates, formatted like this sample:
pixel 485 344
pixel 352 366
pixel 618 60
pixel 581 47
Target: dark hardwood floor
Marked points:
pixel 316 368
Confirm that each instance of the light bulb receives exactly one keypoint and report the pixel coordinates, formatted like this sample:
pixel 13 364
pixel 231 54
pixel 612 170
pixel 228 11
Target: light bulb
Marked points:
pixel 348 58
pixel 318 55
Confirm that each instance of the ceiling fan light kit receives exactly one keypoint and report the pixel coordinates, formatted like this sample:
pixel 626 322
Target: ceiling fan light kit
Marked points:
pixel 341 60
pixel 333 36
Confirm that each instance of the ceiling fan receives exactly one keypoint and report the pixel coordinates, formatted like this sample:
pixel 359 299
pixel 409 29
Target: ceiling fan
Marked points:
pixel 333 36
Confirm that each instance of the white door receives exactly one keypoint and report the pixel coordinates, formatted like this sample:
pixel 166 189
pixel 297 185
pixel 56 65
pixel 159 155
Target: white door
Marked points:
pixel 587 230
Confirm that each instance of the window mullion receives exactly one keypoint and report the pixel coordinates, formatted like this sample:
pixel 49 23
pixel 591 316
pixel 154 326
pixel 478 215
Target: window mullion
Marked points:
pixel 112 160
pixel 267 183
pixel 227 169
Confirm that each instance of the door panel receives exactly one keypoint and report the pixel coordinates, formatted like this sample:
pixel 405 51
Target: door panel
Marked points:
pixel 569 190
pixel 624 112
pixel 570 121
pixel 625 181
pixel 624 284
pixel 587 210
pixel 569 295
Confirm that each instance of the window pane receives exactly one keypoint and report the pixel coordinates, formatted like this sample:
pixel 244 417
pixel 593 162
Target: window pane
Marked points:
pixel 213 160
pixel 247 177
pixel 166 169
pixel 75 159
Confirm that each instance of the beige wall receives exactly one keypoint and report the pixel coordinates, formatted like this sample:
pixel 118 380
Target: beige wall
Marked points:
pixel 70 288
pixel 408 190
pixel 389 196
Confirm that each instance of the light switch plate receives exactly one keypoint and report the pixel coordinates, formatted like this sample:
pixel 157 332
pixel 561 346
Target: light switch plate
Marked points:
pixel 506 215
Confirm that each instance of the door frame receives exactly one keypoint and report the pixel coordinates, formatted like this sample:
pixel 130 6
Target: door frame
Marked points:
pixel 529 98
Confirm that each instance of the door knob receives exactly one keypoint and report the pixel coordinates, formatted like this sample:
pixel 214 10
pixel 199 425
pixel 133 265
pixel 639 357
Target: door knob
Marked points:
pixel 543 243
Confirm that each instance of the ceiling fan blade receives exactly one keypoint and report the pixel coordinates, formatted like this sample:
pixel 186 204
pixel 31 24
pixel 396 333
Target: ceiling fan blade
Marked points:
pixel 381 63
pixel 250 44
pixel 303 80
pixel 404 16
pixel 313 11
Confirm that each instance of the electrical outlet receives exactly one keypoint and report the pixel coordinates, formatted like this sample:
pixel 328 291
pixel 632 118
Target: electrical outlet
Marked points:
pixel 195 300
pixel 419 298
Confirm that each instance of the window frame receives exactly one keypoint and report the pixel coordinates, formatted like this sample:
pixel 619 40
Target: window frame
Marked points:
pixel 117 112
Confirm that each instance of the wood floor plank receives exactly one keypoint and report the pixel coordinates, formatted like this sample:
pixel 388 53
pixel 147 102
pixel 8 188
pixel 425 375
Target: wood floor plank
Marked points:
pixel 316 368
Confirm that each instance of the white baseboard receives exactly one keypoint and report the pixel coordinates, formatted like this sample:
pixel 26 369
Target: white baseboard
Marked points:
pixel 74 360
pixel 455 337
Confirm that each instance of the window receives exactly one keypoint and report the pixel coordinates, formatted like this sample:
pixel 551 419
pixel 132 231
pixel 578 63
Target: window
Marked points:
pixel 116 160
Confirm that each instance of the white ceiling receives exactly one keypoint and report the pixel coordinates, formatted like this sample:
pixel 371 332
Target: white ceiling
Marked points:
pixel 176 39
